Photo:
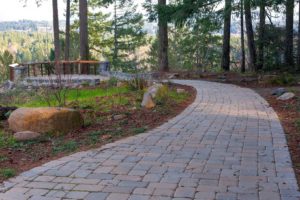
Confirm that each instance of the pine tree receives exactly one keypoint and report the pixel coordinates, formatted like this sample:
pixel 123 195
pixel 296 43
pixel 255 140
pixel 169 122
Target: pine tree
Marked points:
pixel 128 34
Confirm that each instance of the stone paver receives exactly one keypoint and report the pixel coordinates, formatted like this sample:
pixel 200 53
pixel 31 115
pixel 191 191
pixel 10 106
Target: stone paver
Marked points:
pixel 229 144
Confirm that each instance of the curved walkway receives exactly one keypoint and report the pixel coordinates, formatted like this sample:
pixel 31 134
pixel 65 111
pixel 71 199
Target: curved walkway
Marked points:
pixel 228 144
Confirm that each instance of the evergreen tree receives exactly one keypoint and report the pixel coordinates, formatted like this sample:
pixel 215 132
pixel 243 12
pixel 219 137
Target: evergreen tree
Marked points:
pixel 128 34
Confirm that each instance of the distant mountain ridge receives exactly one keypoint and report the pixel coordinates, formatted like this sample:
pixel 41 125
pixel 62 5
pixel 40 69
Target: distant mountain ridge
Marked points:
pixel 28 25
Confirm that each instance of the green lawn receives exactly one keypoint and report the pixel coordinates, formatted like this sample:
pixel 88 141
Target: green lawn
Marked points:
pixel 81 95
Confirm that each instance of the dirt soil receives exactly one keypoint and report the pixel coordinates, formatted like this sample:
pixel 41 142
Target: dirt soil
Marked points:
pixel 25 156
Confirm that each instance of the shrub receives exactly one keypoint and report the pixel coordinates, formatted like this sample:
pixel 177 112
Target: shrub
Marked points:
pixel 137 84
pixel 284 79
pixel 112 82
pixel 163 95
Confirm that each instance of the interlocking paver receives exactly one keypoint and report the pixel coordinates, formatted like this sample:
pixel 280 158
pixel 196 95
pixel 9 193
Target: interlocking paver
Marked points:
pixel 229 144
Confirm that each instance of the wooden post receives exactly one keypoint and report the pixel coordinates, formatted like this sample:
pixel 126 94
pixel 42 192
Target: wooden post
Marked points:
pixel 28 70
pixel 11 74
pixel 42 69
pixel 34 70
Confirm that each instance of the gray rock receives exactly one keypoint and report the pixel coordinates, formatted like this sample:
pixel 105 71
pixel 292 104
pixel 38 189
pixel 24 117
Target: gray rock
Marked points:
pixel 279 91
pixel 119 117
pixel 26 135
pixel 154 89
pixel 286 96
pixel 148 101
pixel 7 86
pixel 179 90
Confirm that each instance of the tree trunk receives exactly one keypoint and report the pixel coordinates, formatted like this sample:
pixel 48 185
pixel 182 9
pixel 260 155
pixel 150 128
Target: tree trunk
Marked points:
pixel 250 36
pixel 226 36
pixel 115 53
pixel 67 42
pixel 84 47
pixel 261 36
pixel 298 56
pixel 289 59
pixel 243 60
pixel 163 41
pixel 56 36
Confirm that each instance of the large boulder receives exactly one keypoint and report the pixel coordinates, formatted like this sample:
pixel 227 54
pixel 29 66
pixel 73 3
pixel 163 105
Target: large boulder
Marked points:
pixel 45 120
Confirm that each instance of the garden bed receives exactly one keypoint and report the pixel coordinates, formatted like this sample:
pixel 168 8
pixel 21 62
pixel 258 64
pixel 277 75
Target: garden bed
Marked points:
pixel 109 114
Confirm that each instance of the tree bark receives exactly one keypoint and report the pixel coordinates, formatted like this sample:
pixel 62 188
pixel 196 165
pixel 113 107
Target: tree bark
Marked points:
pixel 115 53
pixel 243 60
pixel 67 39
pixel 298 53
pixel 163 41
pixel 289 59
pixel 84 47
pixel 250 36
pixel 226 36
pixel 56 36
pixel 261 36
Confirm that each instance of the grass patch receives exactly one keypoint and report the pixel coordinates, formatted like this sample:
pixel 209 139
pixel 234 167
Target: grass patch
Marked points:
pixel 139 130
pixel 83 96
pixel 6 140
pixel 7 173
pixel 94 137
pixel 3 158
pixel 65 147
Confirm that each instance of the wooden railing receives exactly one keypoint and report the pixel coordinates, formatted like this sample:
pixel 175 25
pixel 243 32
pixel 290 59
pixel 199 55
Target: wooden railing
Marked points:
pixel 66 67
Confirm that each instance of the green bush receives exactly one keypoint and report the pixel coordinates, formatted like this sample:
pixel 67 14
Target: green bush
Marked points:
pixel 112 82
pixel 163 95
pixel 284 79
pixel 137 84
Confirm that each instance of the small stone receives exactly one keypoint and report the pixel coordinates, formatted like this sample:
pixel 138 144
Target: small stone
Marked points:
pixel 286 96
pixel 119 117
pixel 279 91
pixel 148 101
pixel 180 91
pixel 26 135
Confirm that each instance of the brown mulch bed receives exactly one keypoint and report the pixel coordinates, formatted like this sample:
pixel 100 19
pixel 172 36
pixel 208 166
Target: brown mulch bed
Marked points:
pixel 24 156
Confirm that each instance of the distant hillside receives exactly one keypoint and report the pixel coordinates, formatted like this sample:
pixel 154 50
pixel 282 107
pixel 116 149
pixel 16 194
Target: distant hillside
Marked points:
pixel 28 25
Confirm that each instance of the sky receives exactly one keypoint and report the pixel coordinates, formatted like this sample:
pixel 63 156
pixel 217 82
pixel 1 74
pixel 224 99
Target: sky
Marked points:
pixel 12 10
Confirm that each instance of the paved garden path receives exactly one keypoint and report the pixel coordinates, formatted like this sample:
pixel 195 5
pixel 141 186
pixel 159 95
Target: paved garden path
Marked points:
pixel 228 144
